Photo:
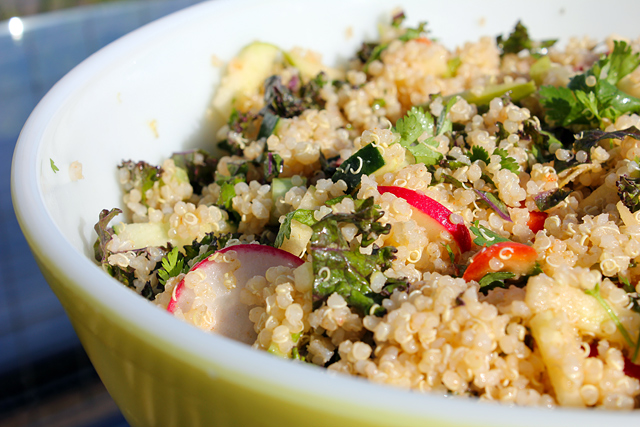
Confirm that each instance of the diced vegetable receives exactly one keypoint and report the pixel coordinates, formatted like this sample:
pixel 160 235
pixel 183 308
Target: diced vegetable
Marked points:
pixel 512 257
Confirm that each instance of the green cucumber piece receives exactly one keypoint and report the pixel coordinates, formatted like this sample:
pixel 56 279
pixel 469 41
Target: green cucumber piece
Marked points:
pixel 365 161
pixel 517 92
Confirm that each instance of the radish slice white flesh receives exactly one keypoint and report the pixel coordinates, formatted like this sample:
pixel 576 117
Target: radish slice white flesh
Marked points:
pixel 225 314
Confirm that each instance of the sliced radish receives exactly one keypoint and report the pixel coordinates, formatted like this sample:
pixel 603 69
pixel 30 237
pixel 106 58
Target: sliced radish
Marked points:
pixel 434 217
pixel 228 316
pixel 513 257
pixel 536 221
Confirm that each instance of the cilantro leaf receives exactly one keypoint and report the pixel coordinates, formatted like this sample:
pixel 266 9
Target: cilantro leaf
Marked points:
pixel 593 96
pixel 496 279
pixel 506 161
pixel 53 166
pixel 478 153
pixel 304 216
pixel 172 265
pixel 411 127
pixel 485 236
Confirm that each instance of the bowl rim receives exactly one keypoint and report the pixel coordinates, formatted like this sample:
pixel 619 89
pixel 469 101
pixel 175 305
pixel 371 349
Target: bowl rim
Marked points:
pixel 87 279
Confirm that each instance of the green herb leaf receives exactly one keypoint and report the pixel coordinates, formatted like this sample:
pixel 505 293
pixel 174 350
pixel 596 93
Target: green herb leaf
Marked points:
pixel 411 127
pixel 340 268
pixel 478 153
pixel 304 216
pixel 485 236
pixel 172 265
pixel 506 161
pixel 593 96
pixel 496 279
pixel 53 166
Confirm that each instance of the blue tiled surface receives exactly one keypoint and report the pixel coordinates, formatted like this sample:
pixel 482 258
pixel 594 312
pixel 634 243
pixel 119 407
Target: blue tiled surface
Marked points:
pixel 32 322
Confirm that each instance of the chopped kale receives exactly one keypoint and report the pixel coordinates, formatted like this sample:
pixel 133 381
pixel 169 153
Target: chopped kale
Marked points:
pixel 548 199
pixel 285 102
pixel 366 51
pixel 342 268
pixel 268 125
pixel 519 40
pixel 142 175
pixel 629 192
pixel 200 167
pixel 272 166
pixel 105 233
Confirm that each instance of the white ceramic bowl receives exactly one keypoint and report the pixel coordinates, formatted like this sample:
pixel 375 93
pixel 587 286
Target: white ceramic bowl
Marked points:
pixel 163 372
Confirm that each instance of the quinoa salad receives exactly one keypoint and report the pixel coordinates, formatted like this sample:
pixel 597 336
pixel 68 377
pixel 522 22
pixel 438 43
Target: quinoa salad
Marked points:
pixel 462 222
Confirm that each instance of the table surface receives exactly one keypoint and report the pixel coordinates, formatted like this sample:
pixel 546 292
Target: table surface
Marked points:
pixel 46 378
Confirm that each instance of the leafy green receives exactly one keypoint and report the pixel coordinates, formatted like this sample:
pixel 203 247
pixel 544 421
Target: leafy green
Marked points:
pixel 593 96
pixel 172 265
pixel 337 200
pixel 519 40
pixel 200 167
pixel 485 236
pixel 342 268
pixel 548 199
pixel 273 166
pixel 105 233
pixel 398 19
pixel 283 101
pixel 304 216
pixel 494 202
pixel 506 161
pixel 54 168
pixel 414 33
pixel 629 192
pixel 595 292
pixel 478 153
pixel 142 175
pixel 411 127
pixel 268 125
pixel 496 279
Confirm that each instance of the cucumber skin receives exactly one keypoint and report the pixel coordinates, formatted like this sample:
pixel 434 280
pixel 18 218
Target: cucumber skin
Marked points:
pixel 365 161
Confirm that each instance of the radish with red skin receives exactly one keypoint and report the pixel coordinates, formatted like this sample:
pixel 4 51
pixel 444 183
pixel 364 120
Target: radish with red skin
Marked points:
pixel 536 221
pixel 229 316
pixel 433 216
pixel 515 257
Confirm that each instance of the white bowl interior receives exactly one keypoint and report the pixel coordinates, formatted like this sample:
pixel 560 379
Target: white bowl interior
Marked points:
pixel 104 111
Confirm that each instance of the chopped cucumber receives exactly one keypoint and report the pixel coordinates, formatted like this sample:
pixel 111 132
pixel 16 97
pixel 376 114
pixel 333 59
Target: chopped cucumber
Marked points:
pixel 143 234
pixel 365 161
pixel 517 91
pixel 539 69
pixel 245 74
pixel 309 69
